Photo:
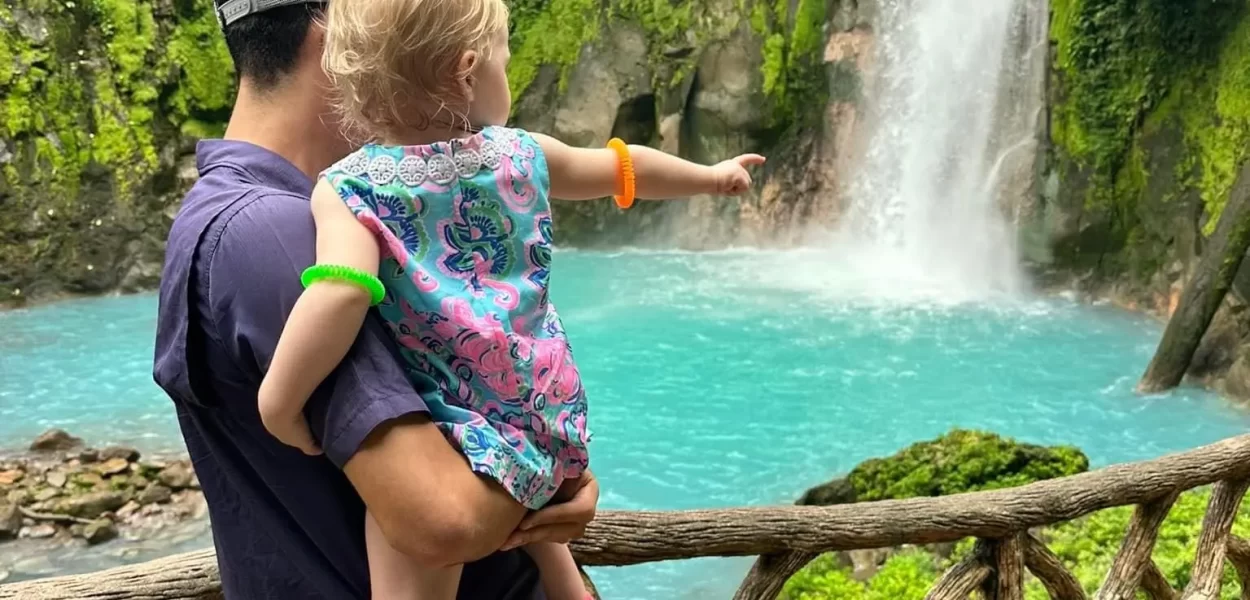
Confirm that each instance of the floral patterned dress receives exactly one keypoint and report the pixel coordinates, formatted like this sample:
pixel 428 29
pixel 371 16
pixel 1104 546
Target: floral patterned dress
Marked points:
pixel 465 233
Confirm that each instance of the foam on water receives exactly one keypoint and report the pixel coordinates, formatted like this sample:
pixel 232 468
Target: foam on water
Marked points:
pixel 715 380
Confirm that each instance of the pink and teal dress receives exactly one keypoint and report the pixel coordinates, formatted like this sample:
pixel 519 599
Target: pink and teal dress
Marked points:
pixel 465 232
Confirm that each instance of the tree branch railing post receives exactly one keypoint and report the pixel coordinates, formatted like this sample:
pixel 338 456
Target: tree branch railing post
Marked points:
pixel 786 538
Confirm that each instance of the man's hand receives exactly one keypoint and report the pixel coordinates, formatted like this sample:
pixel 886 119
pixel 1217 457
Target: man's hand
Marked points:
pixel 563 522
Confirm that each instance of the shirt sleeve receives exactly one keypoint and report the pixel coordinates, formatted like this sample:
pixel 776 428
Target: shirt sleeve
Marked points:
pixel 253 282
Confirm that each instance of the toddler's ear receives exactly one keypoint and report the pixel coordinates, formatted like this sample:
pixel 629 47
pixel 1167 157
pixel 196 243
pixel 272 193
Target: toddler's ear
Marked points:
pixel 465 68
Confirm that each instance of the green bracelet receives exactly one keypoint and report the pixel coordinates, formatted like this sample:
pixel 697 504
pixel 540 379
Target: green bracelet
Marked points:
pixel 352 275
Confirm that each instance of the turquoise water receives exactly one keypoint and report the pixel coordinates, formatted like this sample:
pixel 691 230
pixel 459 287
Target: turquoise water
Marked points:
pixel 717 380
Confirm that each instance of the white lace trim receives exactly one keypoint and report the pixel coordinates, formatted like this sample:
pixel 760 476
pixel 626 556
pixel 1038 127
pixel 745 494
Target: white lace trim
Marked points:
pixel 442 169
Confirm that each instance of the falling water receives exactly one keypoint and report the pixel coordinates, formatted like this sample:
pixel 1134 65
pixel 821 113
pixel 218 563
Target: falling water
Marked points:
pixel 949 143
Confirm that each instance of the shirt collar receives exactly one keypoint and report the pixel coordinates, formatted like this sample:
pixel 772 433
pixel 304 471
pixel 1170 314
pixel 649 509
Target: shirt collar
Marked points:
pixel 257 164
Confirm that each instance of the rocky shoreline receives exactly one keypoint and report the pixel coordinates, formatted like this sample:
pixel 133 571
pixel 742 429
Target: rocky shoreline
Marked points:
pixel 62 492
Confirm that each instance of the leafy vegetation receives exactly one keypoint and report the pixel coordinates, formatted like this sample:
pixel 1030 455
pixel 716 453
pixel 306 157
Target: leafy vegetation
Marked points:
pixel 963 461
pixel 1085 546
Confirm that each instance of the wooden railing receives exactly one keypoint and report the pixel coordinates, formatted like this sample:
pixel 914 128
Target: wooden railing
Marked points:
pixel 787 538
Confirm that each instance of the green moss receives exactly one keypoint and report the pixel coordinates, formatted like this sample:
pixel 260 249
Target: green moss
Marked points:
pixel 1218 138
pixel 88 108
pixel 793 47
pixel 1127 73
pixel 961 461
pixel 548 32
pixel 197 48
pixel 553 33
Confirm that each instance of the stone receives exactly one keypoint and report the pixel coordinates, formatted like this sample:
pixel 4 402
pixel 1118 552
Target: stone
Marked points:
pixel 89 455
pixel 112 466
pixel 10 521
pixel 129 509
pixel 99 531
pixel 177 476
pixel 56 478
pixel 54 440
pixel 11 476
pixel 38 532
pixel 46 494
pixel 87 480
pixel 838 491
pixel 20 496
pixel 155 494
pixel 123 452
pixel 31 25
pixel 91 505
pixel 150 468
pixel 866 563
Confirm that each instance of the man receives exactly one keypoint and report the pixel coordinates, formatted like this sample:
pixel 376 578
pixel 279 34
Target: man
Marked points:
pixel 287 525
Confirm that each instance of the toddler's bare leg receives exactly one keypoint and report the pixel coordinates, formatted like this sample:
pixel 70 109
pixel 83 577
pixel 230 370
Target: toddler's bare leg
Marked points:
pixel 561 579
pixel 394 576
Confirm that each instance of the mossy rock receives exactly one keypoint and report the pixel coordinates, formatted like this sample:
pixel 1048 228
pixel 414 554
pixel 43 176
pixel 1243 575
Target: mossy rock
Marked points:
pixel 960 461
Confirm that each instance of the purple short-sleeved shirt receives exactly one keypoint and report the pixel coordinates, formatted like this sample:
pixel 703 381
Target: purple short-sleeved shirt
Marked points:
pixel 285 525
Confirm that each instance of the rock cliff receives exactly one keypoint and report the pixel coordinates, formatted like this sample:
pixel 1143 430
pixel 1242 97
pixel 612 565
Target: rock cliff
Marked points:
pixel 100 101
pixel 1148 117
pixel 1149 108
pixel 104 99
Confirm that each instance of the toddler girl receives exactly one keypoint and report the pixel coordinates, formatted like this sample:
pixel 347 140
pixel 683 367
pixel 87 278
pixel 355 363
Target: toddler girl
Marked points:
pixel 443 223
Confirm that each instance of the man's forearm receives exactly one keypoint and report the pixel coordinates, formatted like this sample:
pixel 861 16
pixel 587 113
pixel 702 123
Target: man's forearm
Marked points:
pixel 426 500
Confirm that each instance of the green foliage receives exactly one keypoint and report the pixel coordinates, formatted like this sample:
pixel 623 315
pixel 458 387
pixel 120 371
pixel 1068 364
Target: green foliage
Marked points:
pixel 1086 546
pixel 1216 118
pixel 1126 71
pixel 823 579
pixel 96 97
pixel 553 33
pixel 793 45
pixel 98 89
pixel 904 576
pixel 548 32
pixel 962 461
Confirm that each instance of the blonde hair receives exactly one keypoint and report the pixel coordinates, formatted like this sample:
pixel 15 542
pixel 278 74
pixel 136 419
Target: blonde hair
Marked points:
pixel 396 64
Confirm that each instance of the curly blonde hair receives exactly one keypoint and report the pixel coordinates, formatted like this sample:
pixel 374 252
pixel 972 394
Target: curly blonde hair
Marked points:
pixel 396 64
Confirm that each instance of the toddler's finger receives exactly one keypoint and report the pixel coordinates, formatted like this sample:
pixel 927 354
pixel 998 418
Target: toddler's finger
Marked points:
pixel 750 160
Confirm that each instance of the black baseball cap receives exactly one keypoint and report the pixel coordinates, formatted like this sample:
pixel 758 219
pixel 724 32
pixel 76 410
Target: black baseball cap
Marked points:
pixel 229 11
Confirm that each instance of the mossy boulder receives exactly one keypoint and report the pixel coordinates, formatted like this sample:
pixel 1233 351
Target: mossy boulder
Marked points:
pixel 960 461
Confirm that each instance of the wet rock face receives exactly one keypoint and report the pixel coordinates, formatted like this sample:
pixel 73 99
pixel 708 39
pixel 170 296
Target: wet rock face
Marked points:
pixel 106 97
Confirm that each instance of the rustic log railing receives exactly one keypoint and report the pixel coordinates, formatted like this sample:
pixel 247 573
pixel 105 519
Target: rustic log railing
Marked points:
pixel 787 538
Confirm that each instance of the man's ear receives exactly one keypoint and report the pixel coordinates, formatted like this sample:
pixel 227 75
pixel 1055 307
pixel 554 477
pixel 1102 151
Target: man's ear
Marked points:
pixel 314 42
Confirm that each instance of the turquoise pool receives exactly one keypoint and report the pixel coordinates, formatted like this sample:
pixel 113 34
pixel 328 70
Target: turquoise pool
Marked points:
pixel 736 378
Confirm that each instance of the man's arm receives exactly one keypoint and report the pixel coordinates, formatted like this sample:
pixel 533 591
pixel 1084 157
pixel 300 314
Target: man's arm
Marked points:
pixel 441 514
pixel 369 417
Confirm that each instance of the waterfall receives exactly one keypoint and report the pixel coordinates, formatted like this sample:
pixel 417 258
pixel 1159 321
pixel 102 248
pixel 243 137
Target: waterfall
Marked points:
pixel 948 144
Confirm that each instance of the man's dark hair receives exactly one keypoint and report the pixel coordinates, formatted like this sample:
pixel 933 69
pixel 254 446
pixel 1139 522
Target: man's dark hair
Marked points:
pixel 265 45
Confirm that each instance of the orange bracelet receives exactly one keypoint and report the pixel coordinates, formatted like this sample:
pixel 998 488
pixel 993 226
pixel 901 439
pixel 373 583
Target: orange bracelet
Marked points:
pixel 624 174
